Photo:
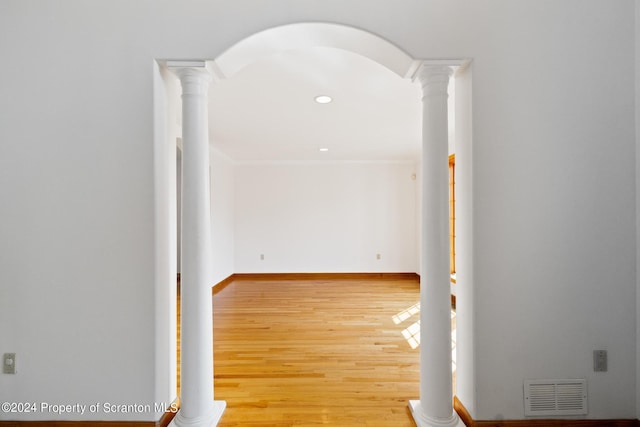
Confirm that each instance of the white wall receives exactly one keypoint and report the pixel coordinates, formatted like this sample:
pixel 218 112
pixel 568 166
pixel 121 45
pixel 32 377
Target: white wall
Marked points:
pixel 77 248
pixel 325 217
pixel 222 216
pixel 553 174
pixel 554 210
pixel 178 209
pixel 637 105
pixel 465 287
pixel 166 165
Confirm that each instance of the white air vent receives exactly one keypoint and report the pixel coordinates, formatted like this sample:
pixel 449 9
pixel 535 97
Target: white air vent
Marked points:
pixel 555 397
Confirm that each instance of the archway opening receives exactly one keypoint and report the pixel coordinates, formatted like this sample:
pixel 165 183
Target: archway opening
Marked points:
pixel 288 42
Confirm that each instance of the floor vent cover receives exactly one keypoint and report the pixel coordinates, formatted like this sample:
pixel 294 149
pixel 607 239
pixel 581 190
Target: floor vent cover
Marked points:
pixel 555 397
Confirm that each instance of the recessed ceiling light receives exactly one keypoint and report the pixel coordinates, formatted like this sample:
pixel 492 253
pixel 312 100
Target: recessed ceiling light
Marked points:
pixel 324 149
pixel 323 99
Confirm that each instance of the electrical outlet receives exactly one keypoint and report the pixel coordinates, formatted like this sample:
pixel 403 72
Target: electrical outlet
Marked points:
pixel 261 257
pixel 378 256
pixel 600 360
pixel 9 363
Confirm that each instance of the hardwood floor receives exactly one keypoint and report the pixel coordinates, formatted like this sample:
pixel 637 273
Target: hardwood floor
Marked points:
pixel 310 352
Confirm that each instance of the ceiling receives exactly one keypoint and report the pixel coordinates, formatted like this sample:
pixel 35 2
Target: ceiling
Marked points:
pixel 266 111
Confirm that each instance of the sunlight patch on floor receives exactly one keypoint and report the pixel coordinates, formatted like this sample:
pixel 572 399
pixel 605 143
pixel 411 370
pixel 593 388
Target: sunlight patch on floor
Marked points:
pixel 412 333
pixel 407 313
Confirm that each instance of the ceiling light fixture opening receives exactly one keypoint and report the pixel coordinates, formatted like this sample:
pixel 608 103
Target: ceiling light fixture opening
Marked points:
pixel 323 99
pixel 323 149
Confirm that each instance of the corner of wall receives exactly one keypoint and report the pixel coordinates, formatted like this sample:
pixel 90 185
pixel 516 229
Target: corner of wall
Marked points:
pixel 465 286
pixel 165 244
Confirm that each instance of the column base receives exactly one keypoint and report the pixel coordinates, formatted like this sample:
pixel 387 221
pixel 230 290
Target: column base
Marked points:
pixel 425 421
pixel 208 420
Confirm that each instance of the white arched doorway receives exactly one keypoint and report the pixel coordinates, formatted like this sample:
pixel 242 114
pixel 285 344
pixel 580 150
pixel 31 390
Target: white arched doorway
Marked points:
pixel 310 35
pixel 318 35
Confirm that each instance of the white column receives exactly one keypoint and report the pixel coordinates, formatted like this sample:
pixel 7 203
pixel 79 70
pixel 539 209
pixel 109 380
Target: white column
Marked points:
pixel 197 407
pixel 435 407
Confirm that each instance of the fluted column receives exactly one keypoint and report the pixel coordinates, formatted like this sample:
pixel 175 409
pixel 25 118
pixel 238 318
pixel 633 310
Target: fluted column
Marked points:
pixel 435 408
pixel 197 407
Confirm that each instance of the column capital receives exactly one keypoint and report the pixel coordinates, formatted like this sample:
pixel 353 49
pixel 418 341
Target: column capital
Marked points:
pixel 426 68
pixel 194 75
pixel 179 65
pixel 434 78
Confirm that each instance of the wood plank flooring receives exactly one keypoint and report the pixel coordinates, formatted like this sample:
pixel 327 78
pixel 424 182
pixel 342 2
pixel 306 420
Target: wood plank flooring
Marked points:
pixel 315 352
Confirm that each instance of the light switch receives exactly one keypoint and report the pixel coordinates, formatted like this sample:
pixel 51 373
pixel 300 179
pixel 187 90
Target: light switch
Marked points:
pixel 9 363
pixel 600 360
